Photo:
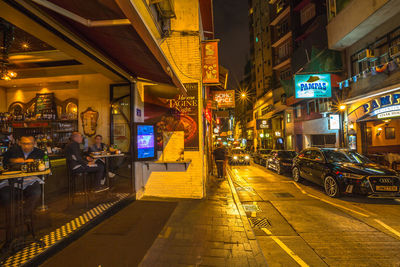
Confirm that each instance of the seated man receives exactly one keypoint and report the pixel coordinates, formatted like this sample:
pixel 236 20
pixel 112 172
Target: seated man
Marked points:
pixel 99 146
pixel 24 152
pixel 80 163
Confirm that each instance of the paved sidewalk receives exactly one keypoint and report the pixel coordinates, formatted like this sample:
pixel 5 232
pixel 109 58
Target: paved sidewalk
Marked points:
pixel 207 232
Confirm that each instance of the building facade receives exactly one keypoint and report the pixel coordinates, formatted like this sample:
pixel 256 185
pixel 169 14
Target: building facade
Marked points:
pixel 369 42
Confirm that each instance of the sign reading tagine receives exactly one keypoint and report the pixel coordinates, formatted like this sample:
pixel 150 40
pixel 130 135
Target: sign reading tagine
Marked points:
pixel 313 85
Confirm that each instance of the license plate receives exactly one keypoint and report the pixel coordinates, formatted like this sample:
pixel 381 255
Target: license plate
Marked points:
pixel 387 188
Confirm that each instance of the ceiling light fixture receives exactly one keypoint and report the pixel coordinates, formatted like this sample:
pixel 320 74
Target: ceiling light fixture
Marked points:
pixel 7 32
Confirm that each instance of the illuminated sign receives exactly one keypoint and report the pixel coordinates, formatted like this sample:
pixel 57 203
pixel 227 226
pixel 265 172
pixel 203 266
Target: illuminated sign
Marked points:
pixel 209 51
pixel 225 99
pixel 382 107
pixel 263 124
pixel 313 85
pixel 334 122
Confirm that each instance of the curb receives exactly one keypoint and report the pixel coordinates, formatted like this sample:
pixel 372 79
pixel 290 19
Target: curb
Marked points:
pixel 260 258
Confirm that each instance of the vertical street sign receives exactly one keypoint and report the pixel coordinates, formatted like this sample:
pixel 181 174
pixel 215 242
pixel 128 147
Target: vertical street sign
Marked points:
pixel 210 68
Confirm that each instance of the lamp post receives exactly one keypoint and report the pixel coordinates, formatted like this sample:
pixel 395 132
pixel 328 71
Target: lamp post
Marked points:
pixel 342 109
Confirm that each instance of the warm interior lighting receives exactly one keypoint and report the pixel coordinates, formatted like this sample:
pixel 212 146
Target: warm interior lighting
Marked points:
pixel 379 129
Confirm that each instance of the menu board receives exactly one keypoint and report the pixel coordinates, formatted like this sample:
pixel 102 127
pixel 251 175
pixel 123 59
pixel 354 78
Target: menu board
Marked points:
pixel 44 102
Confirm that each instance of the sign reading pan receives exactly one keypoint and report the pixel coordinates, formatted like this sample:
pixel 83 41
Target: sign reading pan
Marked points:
pixel 313 86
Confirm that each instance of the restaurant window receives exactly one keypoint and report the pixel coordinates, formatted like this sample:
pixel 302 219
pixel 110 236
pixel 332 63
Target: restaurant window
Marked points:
pixel 390 133
pixel 307 13
pixel 368 131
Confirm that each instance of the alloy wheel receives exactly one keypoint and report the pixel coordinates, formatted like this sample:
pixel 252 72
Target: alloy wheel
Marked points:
pixel 296 175
pixel 331 187
pixel 278 169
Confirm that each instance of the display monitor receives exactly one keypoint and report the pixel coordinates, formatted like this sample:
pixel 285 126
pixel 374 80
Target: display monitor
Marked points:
pixel 145 146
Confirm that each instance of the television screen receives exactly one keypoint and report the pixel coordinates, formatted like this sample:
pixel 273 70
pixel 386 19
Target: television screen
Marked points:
pixel 145 141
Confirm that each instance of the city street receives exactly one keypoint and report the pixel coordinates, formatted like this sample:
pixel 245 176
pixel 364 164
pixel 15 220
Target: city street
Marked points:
pixel 297 224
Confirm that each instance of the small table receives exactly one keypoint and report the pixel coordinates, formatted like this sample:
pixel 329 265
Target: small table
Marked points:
pixel 17 209
pixel 106 157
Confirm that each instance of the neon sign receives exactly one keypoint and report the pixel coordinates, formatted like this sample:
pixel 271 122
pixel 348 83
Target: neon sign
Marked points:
pixel 313 86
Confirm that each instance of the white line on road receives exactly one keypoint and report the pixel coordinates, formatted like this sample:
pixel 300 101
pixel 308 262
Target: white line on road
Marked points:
pixel 329 202
pixel 285 248
pixel 388 227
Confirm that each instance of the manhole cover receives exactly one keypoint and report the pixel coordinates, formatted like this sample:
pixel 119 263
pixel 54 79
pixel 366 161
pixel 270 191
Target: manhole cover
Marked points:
pixel 283 195
pixel 260 222
pixel 250 207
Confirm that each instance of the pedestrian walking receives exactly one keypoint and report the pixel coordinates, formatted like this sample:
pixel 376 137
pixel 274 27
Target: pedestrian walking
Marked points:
pixel 220 158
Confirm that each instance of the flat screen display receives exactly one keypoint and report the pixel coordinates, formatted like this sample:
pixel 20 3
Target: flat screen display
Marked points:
pixel 145 141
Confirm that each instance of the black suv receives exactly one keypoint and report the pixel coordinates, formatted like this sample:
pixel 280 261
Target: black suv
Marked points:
pixel 260 156
pixel 342 171
pixel 281 160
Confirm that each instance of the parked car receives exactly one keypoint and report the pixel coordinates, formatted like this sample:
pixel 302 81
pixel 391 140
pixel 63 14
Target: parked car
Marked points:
pixel 344 172
pixel 280 160
pixel 239 157
pixel 260 156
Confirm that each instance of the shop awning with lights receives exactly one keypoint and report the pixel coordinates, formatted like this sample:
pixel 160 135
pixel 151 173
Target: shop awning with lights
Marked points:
pixel 110 33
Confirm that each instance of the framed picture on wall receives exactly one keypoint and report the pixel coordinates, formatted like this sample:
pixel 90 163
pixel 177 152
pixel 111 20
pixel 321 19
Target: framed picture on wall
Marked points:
pixel 119 129
pixel 390 133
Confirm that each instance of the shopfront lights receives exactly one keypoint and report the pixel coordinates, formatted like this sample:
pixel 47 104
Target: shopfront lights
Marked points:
pixel 261 135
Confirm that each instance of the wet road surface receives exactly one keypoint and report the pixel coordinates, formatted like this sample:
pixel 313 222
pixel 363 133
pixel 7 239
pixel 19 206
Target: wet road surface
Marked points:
pixel 297 224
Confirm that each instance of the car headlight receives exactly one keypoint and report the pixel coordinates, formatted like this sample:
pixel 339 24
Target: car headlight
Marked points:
pixel 235 157
pixel 246 157
pixel 352 175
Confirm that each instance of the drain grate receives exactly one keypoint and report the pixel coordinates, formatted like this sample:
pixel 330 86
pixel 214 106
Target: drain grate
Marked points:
pixel 283 195
pixel 250 207
pixel 259 222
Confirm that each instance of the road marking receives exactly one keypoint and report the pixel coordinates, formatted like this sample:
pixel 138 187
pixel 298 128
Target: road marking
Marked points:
pixel 388 227
pixel 298 186
pixel 285 248
pixel 329 202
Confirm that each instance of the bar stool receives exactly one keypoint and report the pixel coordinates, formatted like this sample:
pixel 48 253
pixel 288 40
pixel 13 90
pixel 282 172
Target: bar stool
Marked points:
pixel 72 177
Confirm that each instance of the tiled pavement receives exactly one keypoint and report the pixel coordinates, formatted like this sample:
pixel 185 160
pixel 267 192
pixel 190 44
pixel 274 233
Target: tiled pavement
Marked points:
pixel 207 232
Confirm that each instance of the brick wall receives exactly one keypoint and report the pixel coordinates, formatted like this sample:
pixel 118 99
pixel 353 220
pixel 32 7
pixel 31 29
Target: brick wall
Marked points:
pixel 182 48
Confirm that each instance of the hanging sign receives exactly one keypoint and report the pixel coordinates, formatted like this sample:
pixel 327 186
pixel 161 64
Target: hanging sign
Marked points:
pixel 313 85
pixel 209 52
pixel 334 122
pixel 263 124
pixel 225 99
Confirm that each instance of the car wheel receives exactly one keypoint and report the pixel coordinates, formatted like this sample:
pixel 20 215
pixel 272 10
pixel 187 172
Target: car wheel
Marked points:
pixel 331 186
pixel 296 175
pixel 278 169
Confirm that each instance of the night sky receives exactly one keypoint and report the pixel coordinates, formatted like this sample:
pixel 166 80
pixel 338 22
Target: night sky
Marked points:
pixel 231 27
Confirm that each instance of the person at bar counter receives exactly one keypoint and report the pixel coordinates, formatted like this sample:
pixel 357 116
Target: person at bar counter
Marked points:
pixel 99 146
pixel 79 163
pixel 17 155
pixel 220 159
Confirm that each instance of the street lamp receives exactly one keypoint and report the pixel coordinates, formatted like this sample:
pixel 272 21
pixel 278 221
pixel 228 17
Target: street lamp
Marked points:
pixel 342 107
pixel 243 95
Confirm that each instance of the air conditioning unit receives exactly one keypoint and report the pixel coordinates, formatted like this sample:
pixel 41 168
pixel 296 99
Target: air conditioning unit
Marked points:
pixel 394 51
pixel 367 54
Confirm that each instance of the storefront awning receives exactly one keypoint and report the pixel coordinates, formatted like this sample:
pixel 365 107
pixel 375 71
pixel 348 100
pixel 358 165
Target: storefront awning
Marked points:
pixel 128 43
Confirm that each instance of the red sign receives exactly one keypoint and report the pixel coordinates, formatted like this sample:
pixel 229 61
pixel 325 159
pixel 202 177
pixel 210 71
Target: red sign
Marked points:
pixel 225 99
pixel 209 51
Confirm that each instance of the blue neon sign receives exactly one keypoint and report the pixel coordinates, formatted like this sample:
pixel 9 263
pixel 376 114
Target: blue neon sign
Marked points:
pixel 313 85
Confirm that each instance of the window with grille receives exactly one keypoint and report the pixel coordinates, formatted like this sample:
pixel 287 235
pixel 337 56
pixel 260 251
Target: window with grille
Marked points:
pixel 307 13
